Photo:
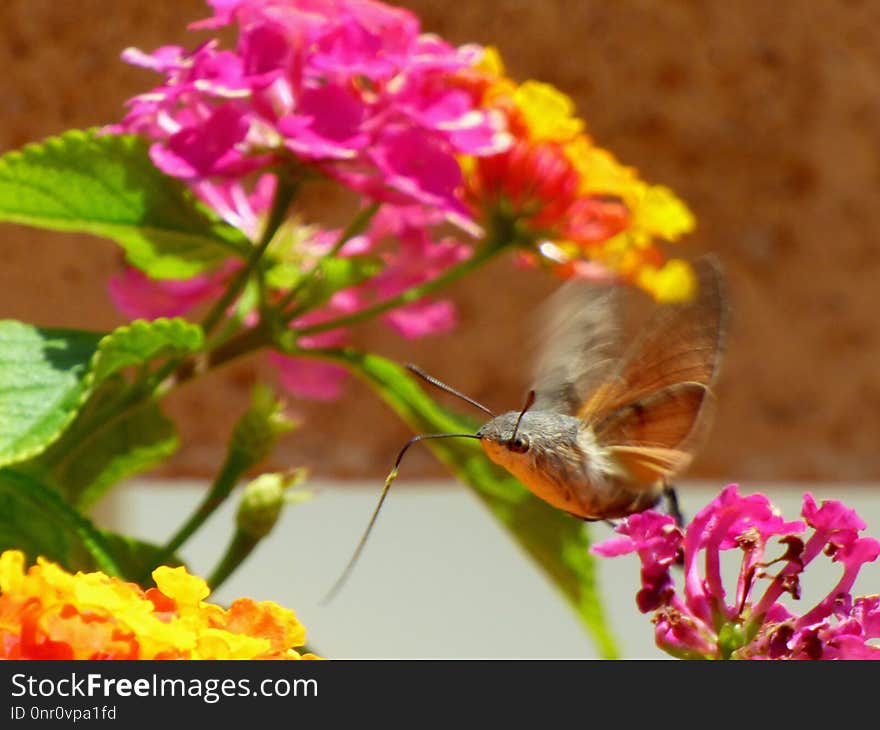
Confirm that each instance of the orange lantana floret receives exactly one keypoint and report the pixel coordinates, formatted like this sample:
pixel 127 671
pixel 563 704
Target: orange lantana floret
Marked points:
pixel 569 193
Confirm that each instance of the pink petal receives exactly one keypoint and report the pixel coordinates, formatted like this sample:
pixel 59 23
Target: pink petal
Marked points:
pixel 421 166
pixel 264 49
pixel 657 540
pixel 866 610
pixel 851 647
pixel 205 149
pixel 309 378
pixel 326 124
pixel 235 204
pixel 831 516
pixel 139 297
pixel 163 59
pixel 614 547
pixel 422 318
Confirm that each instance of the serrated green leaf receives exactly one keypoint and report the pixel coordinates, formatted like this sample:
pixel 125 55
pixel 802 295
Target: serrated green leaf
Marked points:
pixel 106 185
pixel 141 341
pixel 35 520
pixel 98 451
pixel 558 542
pixel 46 375
pixel 43 382
pixel 114 438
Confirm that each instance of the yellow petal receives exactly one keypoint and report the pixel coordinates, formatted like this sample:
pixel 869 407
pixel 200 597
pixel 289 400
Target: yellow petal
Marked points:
pixel 548 113
pixel 663 214
pixel 491 62
pixel 674 282
pixel 176 583
pixel 601 173
pixel 11 570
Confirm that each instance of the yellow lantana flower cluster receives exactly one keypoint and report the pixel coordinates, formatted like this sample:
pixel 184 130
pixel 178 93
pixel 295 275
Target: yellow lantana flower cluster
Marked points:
pixel 590 214
pixel 48 613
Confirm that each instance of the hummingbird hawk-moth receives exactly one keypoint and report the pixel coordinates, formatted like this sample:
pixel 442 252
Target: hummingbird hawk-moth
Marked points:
pixel 603 432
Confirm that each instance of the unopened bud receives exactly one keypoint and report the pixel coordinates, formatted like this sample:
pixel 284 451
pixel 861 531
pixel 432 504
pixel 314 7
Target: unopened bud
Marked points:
pixel 264 499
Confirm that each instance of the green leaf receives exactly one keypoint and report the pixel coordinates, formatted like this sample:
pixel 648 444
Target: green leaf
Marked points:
pixel 65 406
pixel 558 542
pixel 141 341
pixel 46 375
pixel 133 555
pixel 98 450
pixel 43 382
pixel 120 431
pixel 106 185
pixel 36 520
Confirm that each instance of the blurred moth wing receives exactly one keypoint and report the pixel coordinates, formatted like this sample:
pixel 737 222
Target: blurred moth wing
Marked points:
pixel 681 343
pixel 656 437
pixel 651 408
pixel 578 344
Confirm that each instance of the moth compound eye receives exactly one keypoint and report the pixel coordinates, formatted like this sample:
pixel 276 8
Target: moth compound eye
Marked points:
pixel 519 445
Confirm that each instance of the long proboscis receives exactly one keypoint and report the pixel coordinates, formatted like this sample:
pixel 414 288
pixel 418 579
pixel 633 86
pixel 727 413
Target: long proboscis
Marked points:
pixel 388 481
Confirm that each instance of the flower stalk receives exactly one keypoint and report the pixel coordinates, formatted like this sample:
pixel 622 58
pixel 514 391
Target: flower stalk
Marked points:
pixel 481 256
pixel 238 550
pixel 357 226
pixel 252 439
pixel 285 193
pixel 261 506
pixel 221 488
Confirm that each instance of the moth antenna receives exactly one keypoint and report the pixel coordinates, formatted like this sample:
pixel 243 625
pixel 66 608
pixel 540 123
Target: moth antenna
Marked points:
pixel 388 480
pixel 530 401
pixel 452 391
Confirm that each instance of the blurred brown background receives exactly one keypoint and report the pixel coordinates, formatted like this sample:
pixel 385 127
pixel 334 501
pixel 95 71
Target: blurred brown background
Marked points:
pixel 764 117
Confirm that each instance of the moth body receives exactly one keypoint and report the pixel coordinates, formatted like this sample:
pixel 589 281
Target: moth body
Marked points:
pixel 559 459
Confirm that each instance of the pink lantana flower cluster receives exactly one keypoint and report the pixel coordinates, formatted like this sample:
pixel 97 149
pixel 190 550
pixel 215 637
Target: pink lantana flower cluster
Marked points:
pixel 348 89
pixel 700 621
pixel 352 87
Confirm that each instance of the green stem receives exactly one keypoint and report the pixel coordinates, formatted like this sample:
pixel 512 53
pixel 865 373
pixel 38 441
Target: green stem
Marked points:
pixel 242 344
pixel 480 257
pixel 239 548
pixel 220 489
pixel 284 195
pixel 355 228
